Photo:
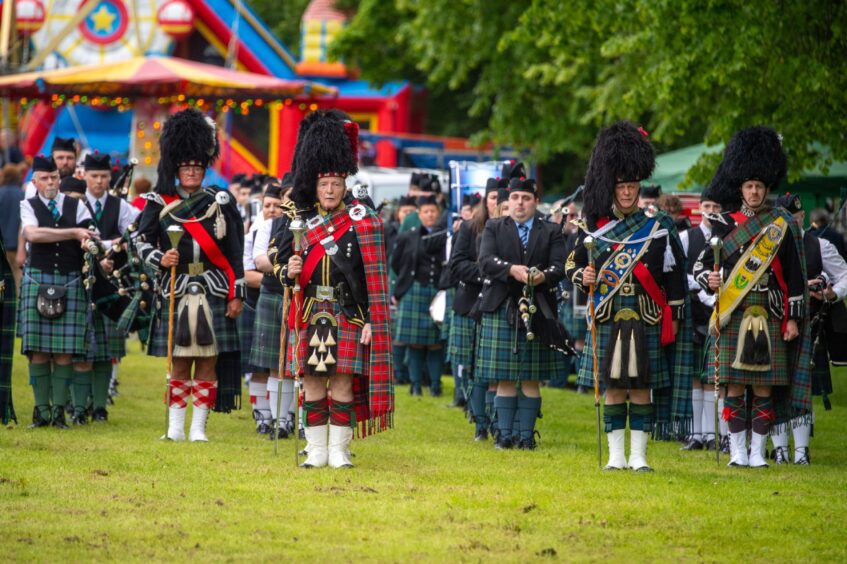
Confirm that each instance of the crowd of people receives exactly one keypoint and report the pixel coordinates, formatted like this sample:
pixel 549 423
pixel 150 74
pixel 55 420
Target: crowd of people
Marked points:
pixel 320 302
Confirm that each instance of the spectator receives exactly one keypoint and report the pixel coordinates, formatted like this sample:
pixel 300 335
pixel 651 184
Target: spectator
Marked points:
pixel 820 227
pixel 11 195
pixel 672 206
pixel 142 186
pixel 9 151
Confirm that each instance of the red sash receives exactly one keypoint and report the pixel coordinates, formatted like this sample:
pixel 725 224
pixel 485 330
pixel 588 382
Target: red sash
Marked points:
pixel 655 293
pixel 340 223
pixel 204 239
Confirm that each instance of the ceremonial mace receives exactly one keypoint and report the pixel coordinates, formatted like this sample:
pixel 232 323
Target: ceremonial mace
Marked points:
pixel 717 244
pixel 174 234
pixel 297 228
pixel 589 243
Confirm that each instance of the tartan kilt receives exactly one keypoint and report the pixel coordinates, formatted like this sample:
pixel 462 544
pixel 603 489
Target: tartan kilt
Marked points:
pixel 414 325
pixel 265 351
pixel 779 374
pixel 245 323
pixel 352 357
pixel 70 333
pixel 108 343
pixel 462 341
pixel 574 324
pixel 704 359
pixel 658 361
pixel 226 329
pixel 444 328
pixel 495 360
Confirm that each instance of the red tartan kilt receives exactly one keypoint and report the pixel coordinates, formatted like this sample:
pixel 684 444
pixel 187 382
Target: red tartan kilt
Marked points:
pixel 352 356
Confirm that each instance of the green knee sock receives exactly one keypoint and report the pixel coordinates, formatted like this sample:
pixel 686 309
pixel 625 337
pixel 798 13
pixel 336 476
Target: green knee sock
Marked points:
pixel 100 383
pixel 39 375
pixel 62 376
pixel 81 389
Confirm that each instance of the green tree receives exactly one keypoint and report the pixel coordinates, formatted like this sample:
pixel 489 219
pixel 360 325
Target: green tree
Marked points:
pixel 283 18
pixel 546 74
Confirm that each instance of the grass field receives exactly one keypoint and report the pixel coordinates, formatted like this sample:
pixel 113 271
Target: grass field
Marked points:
pixel 423 492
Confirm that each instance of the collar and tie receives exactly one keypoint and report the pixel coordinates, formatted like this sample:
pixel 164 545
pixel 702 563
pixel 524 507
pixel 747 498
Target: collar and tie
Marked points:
pixel 523 233
pixel 54 211
pixel 98 210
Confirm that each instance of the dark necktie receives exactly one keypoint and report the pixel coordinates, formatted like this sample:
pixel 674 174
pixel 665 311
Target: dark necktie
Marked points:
pixel 51 205
pixel 523 232
pixel 98 210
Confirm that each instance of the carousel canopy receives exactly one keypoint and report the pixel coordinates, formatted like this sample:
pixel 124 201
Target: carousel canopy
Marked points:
pixel 156 76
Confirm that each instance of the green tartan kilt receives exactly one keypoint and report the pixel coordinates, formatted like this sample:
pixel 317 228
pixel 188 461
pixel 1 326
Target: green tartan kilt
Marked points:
pixel 658 361
pixel 704 358
pixel 574 324
pixel 414 325
pixel 264 354
pixel 496 361
pixel 444 328
pixel 462 340
pixel 778 375
pixel 108 343
pixel 462 343
pixel 226 329
pixel 245 323
pixel 351 356
pixel 68 334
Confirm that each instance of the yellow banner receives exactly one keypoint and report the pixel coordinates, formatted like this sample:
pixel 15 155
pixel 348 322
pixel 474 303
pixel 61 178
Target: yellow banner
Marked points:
pixel 749 269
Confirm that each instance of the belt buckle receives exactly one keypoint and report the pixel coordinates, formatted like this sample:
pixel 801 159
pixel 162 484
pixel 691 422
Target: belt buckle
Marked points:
pixel 195 268
pixel 324 293
pixel 627 289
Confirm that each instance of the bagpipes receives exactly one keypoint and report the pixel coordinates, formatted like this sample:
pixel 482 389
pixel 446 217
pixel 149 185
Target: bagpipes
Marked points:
pixel 123 181
pixel 547 328
pixel 125 295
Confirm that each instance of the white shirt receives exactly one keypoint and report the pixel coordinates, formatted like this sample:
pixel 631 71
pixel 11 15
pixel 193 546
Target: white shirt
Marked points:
pixel 28 218
pixel 249 244
pixel 705 298
pixel 834 267
pixel 263 239
pixel 126 215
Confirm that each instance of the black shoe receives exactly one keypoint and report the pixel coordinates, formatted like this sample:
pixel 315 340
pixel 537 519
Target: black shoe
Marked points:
pixel 504 443
pixel 37 420
pixel 435 393
pixel 644 469
pixel 59 418
pixel 780 456
pixel 481 435
pixel 458 402
pixel 100 415
pixel 282 432
pixel 79 419
pixel 806 459
pixel 264 429
pixel 725 444
pixel 693 444
pixel 709 444
pixel 528 444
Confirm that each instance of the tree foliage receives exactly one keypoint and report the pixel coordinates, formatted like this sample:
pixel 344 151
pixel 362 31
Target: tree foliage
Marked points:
pixel 546 74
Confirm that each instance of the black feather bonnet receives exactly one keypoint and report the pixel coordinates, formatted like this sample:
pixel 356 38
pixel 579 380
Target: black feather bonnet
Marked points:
pixel 622 153
pixel 188 138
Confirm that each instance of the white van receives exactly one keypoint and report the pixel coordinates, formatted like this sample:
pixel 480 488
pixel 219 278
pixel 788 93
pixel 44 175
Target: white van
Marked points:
pixel 390 183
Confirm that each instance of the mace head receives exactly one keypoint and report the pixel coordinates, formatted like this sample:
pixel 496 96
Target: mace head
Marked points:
pixel 716 243
pixel 174 235
pixel 297 228
pixel 589 242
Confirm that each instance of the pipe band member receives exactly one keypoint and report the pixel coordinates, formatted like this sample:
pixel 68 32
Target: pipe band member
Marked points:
pixel 763 295
pixel 639 297
pixel 343 346
pixel 209 283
